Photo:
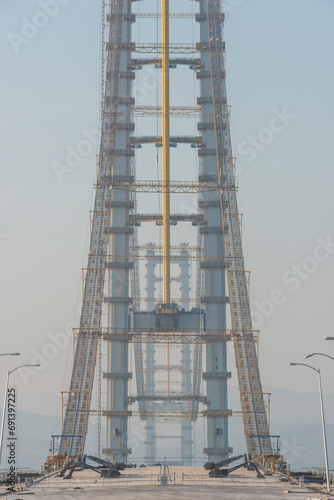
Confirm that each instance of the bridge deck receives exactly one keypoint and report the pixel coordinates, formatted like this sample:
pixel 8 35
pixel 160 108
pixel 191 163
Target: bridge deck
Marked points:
pixel 184 483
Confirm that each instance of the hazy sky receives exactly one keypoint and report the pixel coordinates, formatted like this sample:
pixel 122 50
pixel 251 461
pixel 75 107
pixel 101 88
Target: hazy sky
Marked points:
pixel 280 79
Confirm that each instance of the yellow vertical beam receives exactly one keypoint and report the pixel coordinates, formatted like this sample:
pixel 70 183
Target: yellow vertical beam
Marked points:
pixel 166 151
pixel 166 165
pixel 167 371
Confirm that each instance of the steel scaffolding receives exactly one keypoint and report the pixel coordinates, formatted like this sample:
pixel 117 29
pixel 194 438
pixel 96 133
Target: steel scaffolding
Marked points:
pixel 196 316
pixel 190 369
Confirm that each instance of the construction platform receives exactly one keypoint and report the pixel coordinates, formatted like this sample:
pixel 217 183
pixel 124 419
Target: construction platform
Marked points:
pixel 183 482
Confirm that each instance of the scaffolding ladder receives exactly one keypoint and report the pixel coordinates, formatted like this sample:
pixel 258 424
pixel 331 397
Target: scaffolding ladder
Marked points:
pixel 252 401
pixel 75 425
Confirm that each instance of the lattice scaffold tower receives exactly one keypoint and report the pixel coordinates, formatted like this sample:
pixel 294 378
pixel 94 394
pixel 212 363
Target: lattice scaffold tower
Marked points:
pixel 186 364
pixel 114 250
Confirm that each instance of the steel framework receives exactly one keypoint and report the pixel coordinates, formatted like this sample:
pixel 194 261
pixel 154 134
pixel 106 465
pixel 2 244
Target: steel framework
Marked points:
pixel 190 366
pixel 114 251
pixel 76 421
pixel 251 394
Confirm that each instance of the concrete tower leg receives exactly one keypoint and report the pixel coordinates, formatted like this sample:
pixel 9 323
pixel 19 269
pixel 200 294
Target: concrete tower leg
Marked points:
pixel 118 276
pixel 214 300
pixel 149 389
pixel 150 441
pixel 150 351
pixel 186 443
pixel 186 385
pixel 186 426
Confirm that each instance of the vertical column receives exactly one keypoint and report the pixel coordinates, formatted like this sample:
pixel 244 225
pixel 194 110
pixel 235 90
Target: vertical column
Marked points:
pixel 186 385
pixel 186 443
pixel 118 276
pixel 214 273
pixel 150 362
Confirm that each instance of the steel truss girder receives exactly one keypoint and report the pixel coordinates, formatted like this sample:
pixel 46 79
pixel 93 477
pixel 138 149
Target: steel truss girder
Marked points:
pixel 174 248
pixel 157 187
pixel 172 413
pixel 153 48
pixel 175 111
pixel 170 337
pixel 171 397
pixel 182 61
pixel 172 15
pixel 197 218
pixel 126 260
pixel 179 337
pixel 172 139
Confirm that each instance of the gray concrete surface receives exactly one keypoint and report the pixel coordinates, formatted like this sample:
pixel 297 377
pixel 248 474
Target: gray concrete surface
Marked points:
pixel 184 483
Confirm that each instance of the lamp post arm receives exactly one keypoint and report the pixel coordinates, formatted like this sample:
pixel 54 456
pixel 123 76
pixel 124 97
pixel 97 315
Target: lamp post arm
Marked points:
pixel 323 354
pixel 18 367
pixel 309 366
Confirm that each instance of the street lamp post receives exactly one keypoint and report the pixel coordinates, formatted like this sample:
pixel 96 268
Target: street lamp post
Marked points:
pixel 322 419
pixel 319 354
pixel 5 403
pixel 10 354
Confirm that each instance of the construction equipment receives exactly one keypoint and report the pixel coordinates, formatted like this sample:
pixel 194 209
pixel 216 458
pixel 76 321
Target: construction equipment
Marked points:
pixel 105 469
pixel 213 466
pixel 224 472
pixel 220 469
